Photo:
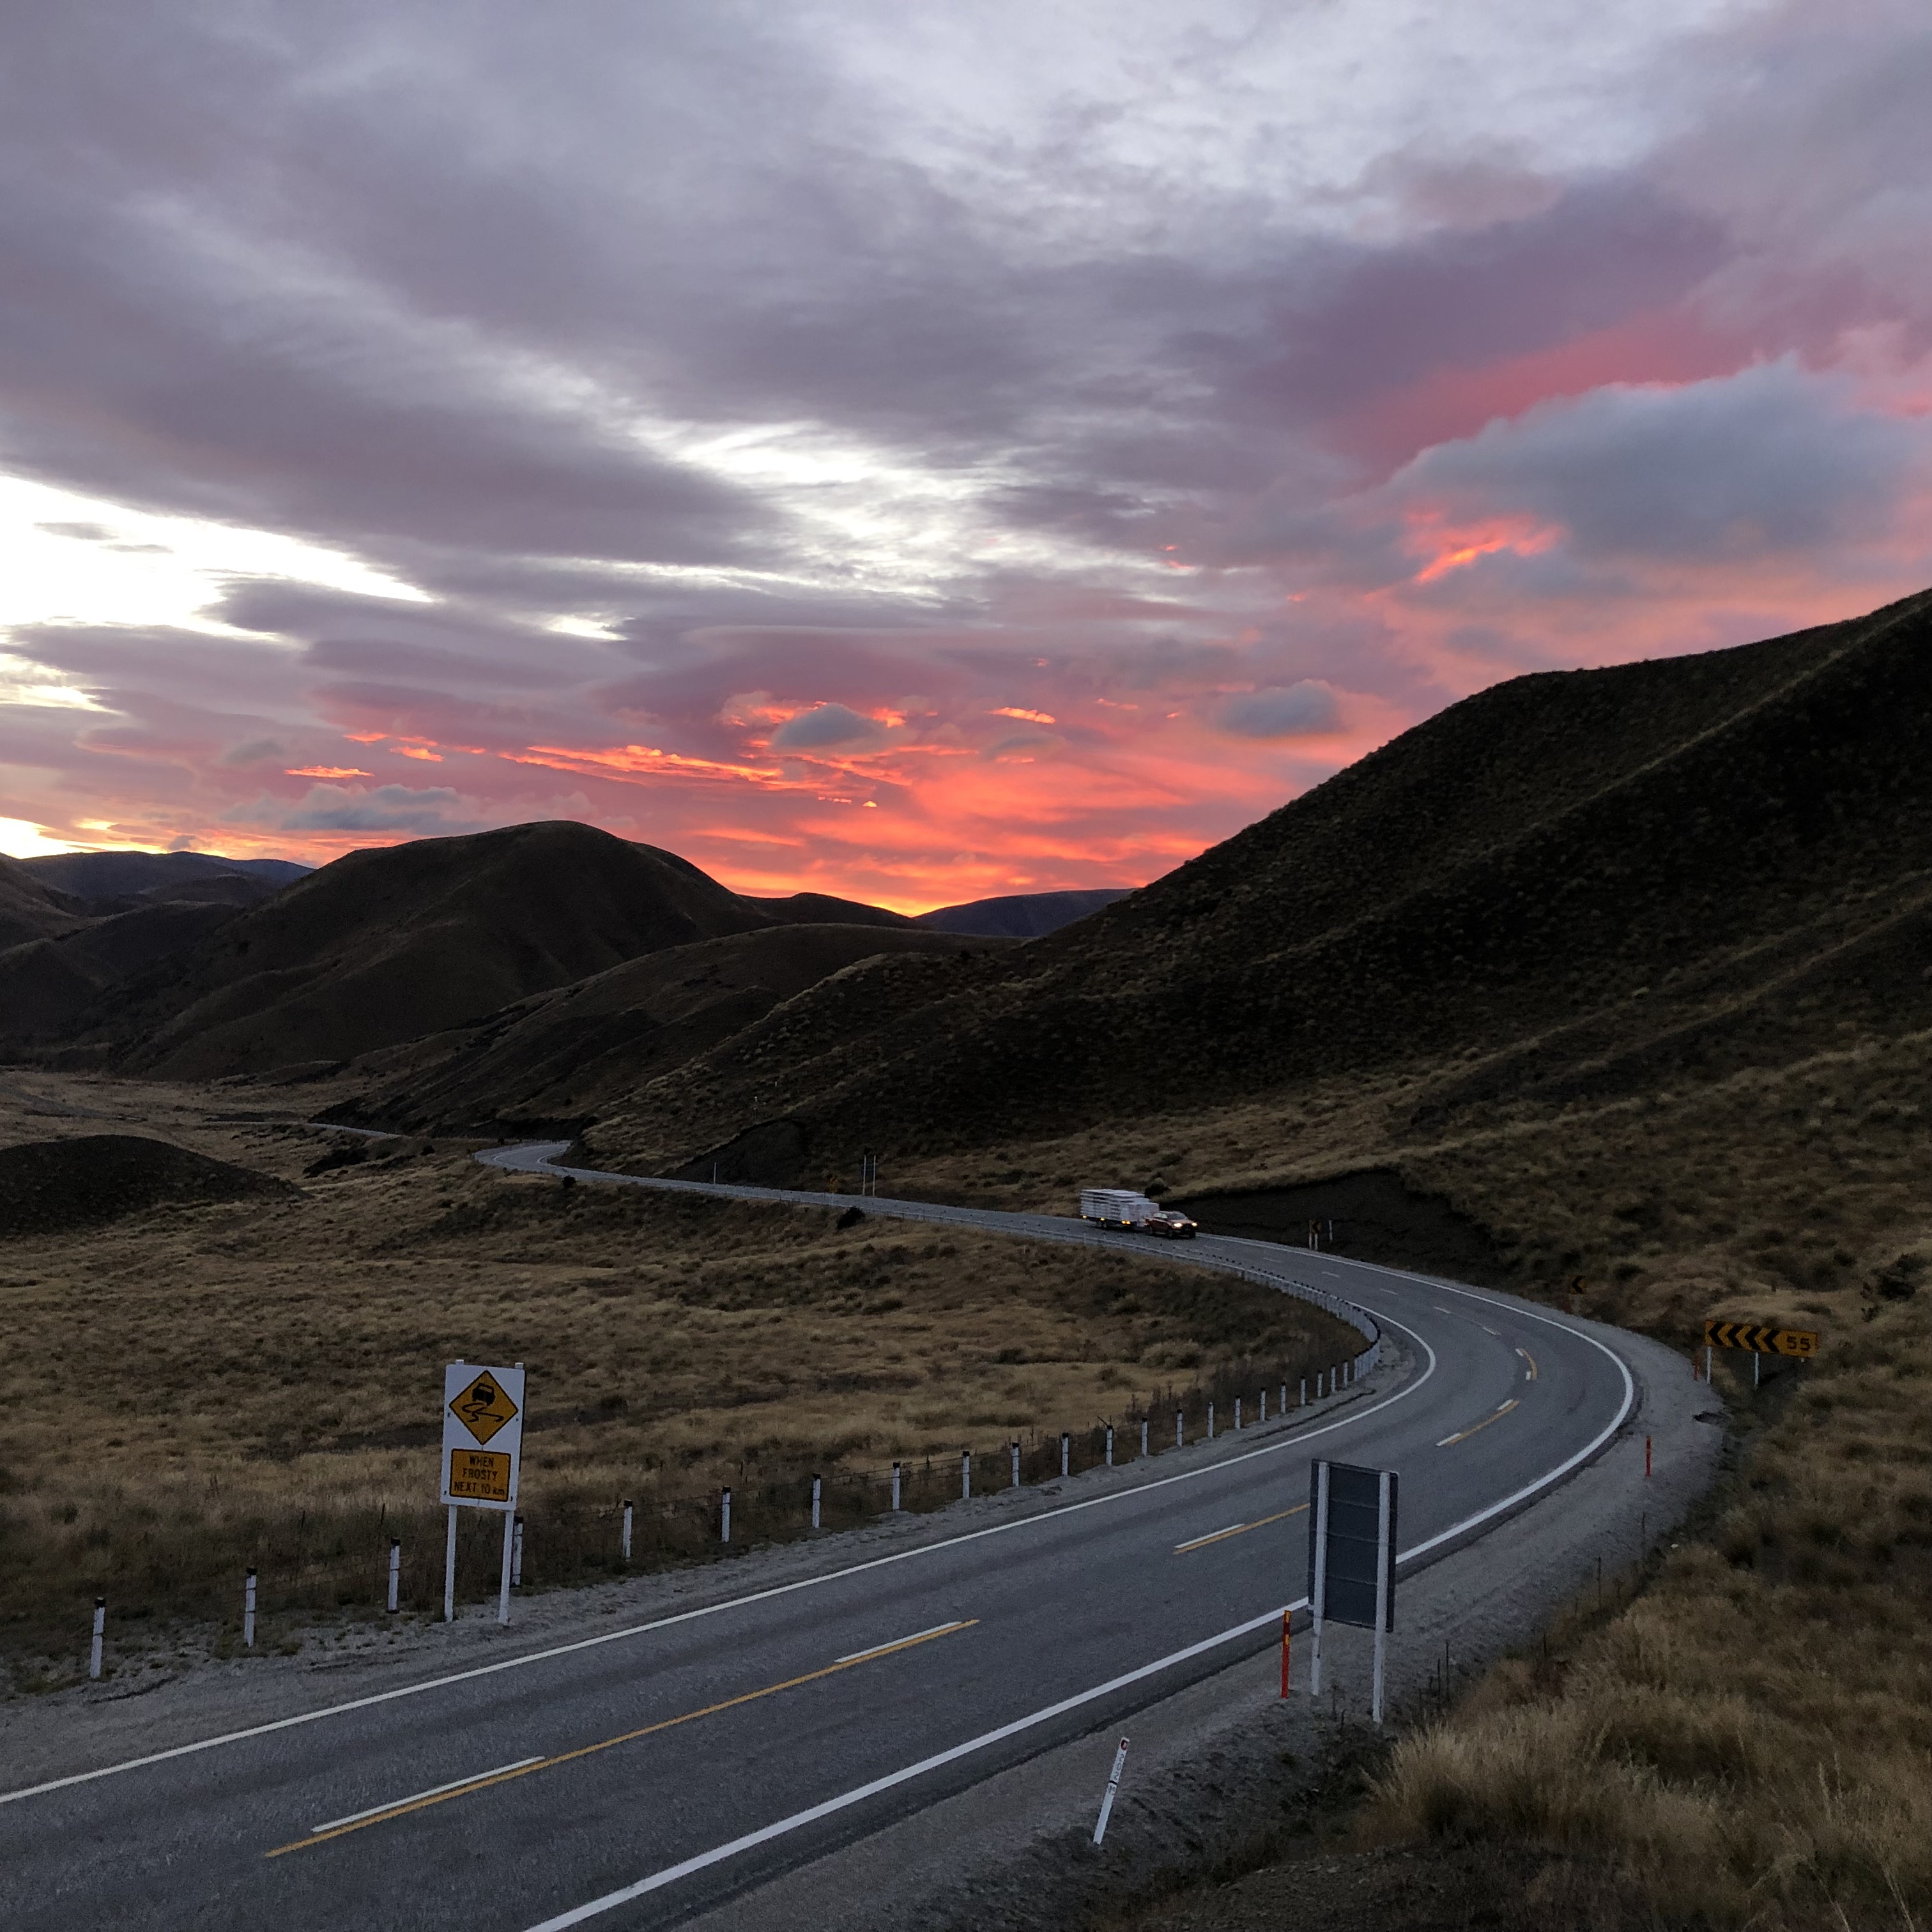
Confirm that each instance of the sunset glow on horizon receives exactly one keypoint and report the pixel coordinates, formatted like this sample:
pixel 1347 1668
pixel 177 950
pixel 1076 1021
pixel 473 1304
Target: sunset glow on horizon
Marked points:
pixel 1126 419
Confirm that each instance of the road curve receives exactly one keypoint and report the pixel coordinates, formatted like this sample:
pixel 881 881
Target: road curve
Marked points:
pixel 644 1773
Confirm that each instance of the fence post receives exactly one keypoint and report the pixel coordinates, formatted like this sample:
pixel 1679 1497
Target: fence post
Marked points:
pixel 100 1630
pixel 395 1569
pixel 724 1516
pixel 896 1488
pixel 965 1475
pixel 1066 1451
pixel 248 1611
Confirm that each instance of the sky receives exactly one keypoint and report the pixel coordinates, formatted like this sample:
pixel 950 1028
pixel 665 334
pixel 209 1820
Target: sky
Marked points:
pixel 915 452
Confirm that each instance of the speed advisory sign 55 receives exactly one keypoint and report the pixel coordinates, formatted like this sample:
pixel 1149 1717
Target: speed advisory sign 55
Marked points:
pixel 482 1435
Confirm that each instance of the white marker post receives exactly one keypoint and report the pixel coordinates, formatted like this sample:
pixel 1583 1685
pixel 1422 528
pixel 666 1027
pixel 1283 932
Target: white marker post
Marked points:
pixel 1113 1785
pixel 627 1514
pixel 1264 1415
pixel 1318 1597
pixel 1016 1465
pixel 965 1475
pixel 1110 1445
pixel 1237 1415
pixel 1066 1452
pixel 100 1633
pixel 724 1516
pixel 1180 1440
pixel 482 1458
pixel 1210 1422
pixel 815 1486
pixel 248 1611
pixel 1382 1541
pixel 896 1488
pixel 1143 1437
pixel 1304 1392
pixel 395 1570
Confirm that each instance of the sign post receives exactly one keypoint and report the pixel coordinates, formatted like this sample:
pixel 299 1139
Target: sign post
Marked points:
pixel 1352 1532
pixel 482 1457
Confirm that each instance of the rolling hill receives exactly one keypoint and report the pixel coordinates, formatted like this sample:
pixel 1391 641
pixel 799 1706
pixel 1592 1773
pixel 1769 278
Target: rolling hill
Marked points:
pixel 388 945
pixel 1020 915
pixel 1572 883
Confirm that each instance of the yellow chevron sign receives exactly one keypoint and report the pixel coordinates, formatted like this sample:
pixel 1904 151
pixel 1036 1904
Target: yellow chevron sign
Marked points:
pixel 1759 1340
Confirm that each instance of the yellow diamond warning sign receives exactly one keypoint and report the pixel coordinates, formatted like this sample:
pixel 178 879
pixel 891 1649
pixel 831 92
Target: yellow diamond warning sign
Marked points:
pixel 484 1406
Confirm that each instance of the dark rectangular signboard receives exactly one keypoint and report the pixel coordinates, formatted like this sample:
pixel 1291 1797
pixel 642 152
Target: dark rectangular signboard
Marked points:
pixel 1343 1587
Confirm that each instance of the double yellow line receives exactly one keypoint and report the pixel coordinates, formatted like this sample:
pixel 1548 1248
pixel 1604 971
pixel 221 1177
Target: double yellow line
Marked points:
pixel 405 1806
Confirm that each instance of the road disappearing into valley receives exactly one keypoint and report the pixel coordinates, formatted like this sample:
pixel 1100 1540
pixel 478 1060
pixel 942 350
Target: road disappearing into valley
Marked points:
pixel 639 1774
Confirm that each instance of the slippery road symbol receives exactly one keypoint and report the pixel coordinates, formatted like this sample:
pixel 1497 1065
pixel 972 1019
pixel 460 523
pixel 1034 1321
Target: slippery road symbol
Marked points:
pixel 483 1407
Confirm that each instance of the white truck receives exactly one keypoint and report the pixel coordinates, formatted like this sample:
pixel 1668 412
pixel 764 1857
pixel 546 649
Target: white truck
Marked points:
pixel 1123 1207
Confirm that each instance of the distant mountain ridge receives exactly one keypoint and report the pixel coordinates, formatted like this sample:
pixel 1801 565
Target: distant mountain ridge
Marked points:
pixel 1020 915
pixel 394 943
pixel 127 875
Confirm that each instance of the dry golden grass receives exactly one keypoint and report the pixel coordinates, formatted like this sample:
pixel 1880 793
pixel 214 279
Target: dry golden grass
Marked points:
pixel 258 1382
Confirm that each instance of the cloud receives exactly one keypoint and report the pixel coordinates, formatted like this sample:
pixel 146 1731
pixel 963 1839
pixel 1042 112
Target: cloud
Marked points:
pixel 389 808
pixel 1775 458
pixel 668 402
pixel 1278 711
pixel 252 751
pixel 824 725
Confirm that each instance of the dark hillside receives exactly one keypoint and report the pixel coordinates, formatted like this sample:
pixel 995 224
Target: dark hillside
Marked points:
pixel 1582 868
pixel 31 910
pixel 550 1063
pixel 1021 915
pixel 388 945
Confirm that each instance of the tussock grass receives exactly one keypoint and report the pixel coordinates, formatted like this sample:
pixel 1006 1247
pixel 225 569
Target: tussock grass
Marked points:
pixel 258 1382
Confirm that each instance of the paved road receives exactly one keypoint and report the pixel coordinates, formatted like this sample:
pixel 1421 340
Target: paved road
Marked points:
pixel 637 1777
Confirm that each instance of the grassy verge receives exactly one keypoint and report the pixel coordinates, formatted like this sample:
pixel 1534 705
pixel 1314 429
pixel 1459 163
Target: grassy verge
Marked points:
pixel 258 1383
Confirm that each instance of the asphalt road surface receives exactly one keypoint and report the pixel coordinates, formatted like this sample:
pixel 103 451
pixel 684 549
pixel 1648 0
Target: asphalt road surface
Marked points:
pixel 644 1774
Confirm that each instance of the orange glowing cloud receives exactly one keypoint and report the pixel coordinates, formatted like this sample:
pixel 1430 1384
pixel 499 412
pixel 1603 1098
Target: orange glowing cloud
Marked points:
pixel 327 772
pixel 1448 548
pixel 1031 717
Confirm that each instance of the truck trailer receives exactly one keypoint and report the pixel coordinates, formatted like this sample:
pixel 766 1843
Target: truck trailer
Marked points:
pixel 1125 1207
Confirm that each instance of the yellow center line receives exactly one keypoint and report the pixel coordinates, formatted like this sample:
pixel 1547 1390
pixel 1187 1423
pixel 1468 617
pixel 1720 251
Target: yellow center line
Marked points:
pixel 1239 1529
pixel 483 1783
pixel 1529 1375
pixel 1463 1436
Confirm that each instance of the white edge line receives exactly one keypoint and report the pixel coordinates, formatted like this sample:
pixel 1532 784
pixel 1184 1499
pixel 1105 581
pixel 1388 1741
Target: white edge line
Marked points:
pixel 857 1656
pixel 1294 1441
pixel 670 1874
pixel 434 1791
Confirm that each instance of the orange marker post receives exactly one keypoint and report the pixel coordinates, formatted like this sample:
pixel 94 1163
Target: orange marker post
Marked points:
pixel 1284 1653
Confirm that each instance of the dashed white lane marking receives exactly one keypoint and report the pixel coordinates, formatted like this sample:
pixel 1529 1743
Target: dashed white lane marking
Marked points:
pixel 434 1791
pixel 899 1643
pixel 1463 1435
